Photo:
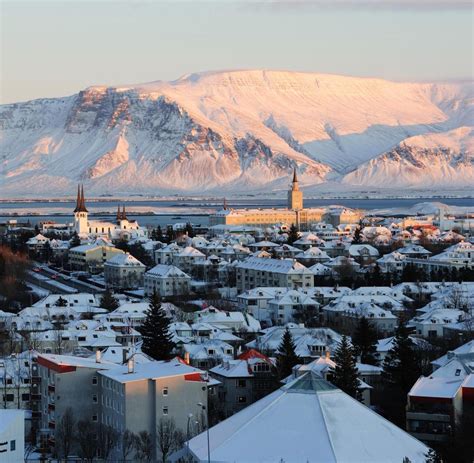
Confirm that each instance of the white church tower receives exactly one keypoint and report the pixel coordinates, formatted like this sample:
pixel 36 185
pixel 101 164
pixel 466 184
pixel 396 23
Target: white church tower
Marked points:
pixel 80 213
pixel 295 196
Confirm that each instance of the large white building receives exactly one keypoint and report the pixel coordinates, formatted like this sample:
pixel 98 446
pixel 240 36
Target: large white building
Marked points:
pixel 124 271
pixel 166 280
pixel 255 271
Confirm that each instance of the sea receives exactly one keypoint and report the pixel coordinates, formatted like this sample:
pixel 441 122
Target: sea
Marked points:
pixel 196 211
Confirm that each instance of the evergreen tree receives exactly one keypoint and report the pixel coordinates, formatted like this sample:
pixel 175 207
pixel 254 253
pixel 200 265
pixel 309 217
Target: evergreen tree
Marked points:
pixel 292 234
pixel 365 342
pixel 286 356
pixel 189 230
pixel 344 374
pixel 75 240
pixel 108 301
pixel 139 252
pixel 157 340
pixel 47 252
pixel 170 235
pixel 357 238
pixel 157 234
pixel 61 302
pixel 400 371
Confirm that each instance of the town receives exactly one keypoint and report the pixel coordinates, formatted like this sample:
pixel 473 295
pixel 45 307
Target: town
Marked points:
pixel 259 332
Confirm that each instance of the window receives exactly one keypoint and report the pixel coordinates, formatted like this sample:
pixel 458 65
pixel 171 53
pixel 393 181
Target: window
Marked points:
pixel 242 399
pixel 94 380
pixel 94 398
pixel 12 445
pixel 8 398
pixel 165 410
pixel 94 417
pixel 241 383
pixel 165 391
pixel 25 397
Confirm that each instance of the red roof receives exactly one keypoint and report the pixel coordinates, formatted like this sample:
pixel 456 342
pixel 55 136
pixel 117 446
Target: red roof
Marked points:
pixel 251 354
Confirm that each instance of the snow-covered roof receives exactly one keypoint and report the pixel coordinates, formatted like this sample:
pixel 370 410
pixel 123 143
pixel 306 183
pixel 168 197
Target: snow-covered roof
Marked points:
pixel 166 271
pixel 285 266
pixel 124 260
pixel 308 420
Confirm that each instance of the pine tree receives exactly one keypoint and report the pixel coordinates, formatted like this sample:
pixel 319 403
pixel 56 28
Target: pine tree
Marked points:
pixel 344 374
pixel 108 301
pixel 189 230
pixel 286 356
pixel 170 234
pixel 364 341
pixel 157 340
pixel 61 302
pixel 357 239
pixel 75 240
pixel 400 371
pixel 292 234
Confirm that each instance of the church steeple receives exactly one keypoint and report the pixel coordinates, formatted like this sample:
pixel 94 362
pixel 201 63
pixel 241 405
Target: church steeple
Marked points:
pixel 295 196
pixel 225 204
pixel 124 216
pixel 80 200
pixel 119 214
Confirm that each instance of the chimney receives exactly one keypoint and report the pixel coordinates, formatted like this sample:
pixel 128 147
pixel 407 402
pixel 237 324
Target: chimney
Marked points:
pixel 186 358
pixel 124 355
pixel 131 365
pixel 98 356
pixel 328 354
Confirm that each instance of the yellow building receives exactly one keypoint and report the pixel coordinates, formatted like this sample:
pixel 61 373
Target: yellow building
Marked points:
pixel 294 214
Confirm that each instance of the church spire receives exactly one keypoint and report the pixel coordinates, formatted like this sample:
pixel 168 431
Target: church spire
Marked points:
pixel 118 212
pixel 295 178
pixel 124 216
pixel 80 200
pixel 225 204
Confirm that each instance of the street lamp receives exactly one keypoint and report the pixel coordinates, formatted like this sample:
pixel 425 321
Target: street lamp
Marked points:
pixel 206 410
pixel 187 432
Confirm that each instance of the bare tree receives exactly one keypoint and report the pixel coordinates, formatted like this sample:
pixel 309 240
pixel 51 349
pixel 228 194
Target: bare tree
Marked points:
pixel 87 439
pixel 128 442
pixel 108 439
pixel 168 436
pixel 65 433
pixel 144 446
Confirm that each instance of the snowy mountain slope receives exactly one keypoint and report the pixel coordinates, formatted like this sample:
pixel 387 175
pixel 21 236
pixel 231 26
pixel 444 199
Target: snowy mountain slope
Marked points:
pixel 432 160
pixel 220 131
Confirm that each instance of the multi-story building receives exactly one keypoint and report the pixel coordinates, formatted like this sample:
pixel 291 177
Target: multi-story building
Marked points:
pixel 68 382
pixel 124 271
pixel 92 257
pixel 166 280
pixel 244 381
pixel 294 214
pixel 254 272
pixel 437 403
pixel 137 397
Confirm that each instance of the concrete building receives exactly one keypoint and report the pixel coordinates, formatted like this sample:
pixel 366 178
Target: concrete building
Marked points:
pixel 243 381
pixel 137 397
pixel 123 271
pixel 12 436
pixel 67 382
pixel 254 272
pixel 294 214
pixel 166 280
pixel 92 257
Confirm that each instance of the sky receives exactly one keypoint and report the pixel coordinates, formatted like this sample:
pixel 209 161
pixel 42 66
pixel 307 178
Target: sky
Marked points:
pixel 56 48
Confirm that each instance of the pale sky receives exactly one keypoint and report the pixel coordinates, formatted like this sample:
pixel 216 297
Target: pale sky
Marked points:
pixel 56 48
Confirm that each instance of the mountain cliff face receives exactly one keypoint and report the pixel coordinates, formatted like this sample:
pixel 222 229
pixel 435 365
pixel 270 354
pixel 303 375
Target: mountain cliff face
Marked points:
pixel 235 131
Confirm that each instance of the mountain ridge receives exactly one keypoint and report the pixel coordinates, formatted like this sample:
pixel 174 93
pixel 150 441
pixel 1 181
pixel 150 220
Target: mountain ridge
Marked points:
pixel 232 131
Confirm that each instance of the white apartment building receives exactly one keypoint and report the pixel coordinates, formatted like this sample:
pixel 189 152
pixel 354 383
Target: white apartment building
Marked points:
pixel 254 272
pixel 124 271
pixel 166 280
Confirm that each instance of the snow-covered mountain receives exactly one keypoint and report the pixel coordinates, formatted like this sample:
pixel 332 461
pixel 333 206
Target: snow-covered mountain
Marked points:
pixel 239 130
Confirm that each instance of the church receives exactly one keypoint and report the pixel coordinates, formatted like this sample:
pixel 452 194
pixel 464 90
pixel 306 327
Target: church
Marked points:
pixel 122 229
pixel 295 213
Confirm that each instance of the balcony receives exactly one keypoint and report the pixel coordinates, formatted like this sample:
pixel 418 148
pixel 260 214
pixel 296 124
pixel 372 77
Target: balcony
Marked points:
pixel 51 424
pixel 424 416
pixel 426 437
pixel 36 379
pixel 36 397
pixel 51 387
pixel 51 407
